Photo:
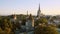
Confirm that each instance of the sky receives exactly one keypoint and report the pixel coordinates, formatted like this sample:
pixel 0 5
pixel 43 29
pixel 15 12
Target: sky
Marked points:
pixel 47 7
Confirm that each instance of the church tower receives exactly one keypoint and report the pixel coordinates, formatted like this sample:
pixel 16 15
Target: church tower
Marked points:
pixel 30 23
pixel 14 16
pixel 39 11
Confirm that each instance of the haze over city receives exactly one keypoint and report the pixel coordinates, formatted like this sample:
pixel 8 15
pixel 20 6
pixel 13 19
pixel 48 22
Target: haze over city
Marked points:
pixel 48 7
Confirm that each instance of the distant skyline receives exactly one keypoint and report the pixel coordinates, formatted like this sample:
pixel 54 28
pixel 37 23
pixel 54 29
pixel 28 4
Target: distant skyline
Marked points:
pixel 48 7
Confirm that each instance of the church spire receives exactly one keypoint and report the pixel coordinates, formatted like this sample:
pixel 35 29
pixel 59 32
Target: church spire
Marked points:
pixel 39 7
pixel 39 11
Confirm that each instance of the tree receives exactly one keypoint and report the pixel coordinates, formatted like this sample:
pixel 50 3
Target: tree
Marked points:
pixel 58 26
pixel 7 30
pixel 1 30
pixel 45 29
pixel 42 21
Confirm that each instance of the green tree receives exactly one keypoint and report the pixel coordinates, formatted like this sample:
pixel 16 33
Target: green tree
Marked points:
pixel 42 21
pixel 58 26
pixel 7 30
pixel 6 23
pixel 44 29
pixel 1 30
